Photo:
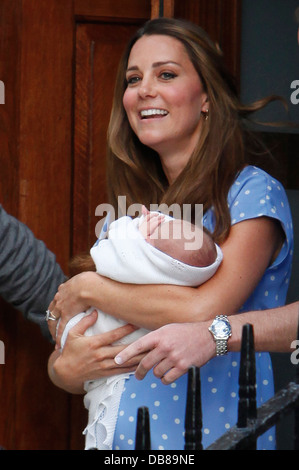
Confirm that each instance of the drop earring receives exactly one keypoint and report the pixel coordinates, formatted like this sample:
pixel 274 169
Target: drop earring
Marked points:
pixel 206 114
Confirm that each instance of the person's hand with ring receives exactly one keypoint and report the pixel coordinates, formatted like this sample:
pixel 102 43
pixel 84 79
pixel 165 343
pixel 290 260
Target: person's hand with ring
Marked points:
pixel 70 299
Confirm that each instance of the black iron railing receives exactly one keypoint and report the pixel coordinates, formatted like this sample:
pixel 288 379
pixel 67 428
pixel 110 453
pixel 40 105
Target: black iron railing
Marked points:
pixel 252 421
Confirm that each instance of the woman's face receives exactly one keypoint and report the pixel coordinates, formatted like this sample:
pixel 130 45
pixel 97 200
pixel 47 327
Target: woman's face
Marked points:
pixel 164 96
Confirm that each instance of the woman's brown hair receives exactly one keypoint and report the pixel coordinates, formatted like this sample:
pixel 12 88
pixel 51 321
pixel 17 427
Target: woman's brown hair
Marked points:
pixel 135 171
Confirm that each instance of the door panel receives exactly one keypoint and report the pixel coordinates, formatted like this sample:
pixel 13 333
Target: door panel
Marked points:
pixel 98 50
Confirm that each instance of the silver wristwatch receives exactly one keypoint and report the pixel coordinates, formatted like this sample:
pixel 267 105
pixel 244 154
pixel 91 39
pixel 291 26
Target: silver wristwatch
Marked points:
pixel 221 331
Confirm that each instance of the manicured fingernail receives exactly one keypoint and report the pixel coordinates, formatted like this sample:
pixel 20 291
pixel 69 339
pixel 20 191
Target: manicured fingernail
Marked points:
pixel 118 360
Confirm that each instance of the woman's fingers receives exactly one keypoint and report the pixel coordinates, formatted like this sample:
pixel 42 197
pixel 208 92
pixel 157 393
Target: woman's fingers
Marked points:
pixel 142 345
pixel 164 351
pixel 107 364
pixel 86 322
pixel 112 336
pixel 52 325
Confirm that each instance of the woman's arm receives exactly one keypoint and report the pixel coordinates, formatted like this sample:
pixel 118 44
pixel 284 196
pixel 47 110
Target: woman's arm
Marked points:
pixel 173 349
pixel 247 253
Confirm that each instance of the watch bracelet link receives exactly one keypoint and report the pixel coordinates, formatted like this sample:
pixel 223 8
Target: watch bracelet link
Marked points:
pixel 221 317
pixel 221 347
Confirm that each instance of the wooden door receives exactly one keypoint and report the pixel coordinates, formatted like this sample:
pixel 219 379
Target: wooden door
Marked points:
pixel 58 62
pixel 38 42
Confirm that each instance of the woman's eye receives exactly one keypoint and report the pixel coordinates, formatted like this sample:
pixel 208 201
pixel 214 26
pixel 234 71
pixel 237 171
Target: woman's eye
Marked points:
pixel 168 75
pixel 132 80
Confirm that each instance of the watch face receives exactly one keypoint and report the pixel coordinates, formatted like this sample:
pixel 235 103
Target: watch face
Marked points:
pixel 221 329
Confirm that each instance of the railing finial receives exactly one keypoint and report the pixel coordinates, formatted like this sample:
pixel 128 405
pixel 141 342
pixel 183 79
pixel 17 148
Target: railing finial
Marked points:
pixel 161 8
pixel 247 379
pixel 193 415
pixel 143 435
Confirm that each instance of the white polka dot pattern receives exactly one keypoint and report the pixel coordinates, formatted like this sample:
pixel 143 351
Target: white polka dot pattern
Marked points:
pixel 254 194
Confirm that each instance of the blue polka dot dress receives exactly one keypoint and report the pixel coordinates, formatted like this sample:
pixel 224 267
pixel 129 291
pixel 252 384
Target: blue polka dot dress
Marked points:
pixel 253 194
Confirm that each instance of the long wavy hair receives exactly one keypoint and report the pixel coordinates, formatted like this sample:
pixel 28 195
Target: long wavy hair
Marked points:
pixel 134 170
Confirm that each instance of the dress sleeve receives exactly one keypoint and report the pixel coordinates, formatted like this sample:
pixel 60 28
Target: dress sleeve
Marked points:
pixel 256 194
pixel 29 273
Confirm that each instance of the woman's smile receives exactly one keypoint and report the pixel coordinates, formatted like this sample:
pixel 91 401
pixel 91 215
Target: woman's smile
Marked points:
pixel 153 113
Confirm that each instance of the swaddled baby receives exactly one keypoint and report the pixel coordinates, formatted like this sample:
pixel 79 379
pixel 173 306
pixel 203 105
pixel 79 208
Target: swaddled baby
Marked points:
pixel 152 249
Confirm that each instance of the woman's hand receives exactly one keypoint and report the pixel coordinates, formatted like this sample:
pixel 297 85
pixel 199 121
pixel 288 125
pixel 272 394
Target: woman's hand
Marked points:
pixel 171 350
pixel 70 300
pixel 88 357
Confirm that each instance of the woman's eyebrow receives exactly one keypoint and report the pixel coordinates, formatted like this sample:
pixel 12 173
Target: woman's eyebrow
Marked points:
pixel 159 64
pixel 155 65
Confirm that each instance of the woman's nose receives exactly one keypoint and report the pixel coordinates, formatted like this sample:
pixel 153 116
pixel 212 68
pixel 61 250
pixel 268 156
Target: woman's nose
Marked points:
pixel 147 89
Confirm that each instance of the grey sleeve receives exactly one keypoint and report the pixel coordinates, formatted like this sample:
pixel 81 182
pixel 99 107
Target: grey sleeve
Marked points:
pixel 29 273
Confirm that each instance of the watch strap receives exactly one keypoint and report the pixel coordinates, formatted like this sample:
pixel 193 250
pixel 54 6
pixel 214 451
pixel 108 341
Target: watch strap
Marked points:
pixel 221 347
